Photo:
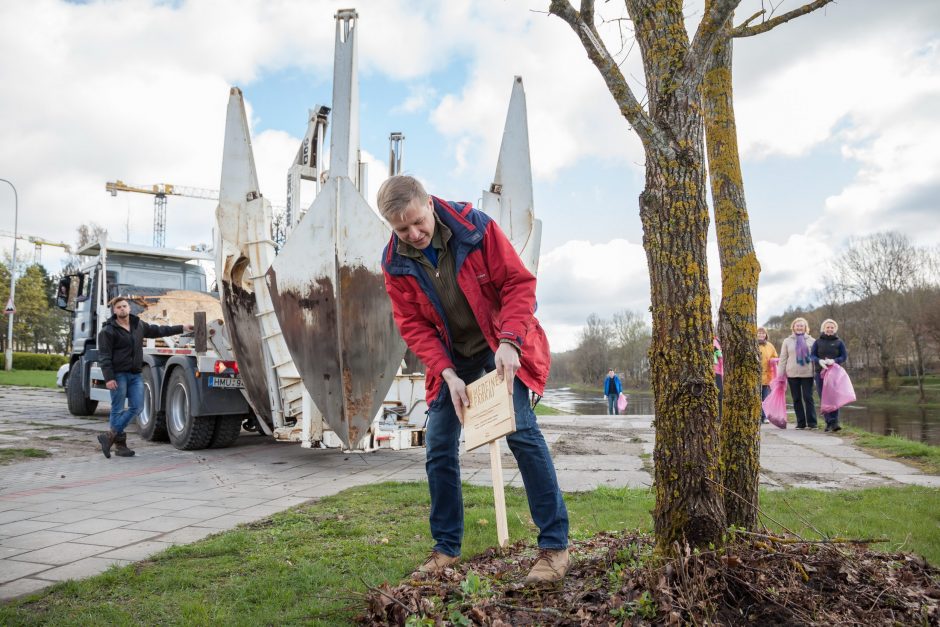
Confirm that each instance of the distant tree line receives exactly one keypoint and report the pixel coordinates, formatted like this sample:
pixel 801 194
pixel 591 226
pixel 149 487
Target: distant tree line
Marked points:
pixel 621 343
pixel 884 292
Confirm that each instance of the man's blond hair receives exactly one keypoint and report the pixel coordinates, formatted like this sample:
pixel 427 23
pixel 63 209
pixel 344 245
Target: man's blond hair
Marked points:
pixel 397 193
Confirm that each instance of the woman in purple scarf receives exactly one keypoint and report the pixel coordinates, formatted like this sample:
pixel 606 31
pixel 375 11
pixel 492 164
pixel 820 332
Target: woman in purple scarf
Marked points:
pixel 796 361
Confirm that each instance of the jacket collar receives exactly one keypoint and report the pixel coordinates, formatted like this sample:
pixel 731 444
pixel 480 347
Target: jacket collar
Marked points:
pixel 134 320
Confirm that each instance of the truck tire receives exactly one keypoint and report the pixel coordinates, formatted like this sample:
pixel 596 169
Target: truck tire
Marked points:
pixel 152 424
pixel 187 432
pixel 227 430
pixel 79 404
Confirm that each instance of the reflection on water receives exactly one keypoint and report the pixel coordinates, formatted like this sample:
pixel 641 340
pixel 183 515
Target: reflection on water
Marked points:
pixel 585 403
pixel 914 423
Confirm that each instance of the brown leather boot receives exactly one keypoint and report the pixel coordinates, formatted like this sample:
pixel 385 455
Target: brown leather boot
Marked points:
pixel 106 440
pixel 550 567
pixel 436 562
pixel 120 446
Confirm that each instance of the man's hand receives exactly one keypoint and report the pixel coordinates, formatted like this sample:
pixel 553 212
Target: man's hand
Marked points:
pixel 458 391
pixel 507 362
pixel 111 385
pixel 188 328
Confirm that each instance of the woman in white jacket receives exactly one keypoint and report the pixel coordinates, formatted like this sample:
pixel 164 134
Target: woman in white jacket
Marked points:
pixel 796 362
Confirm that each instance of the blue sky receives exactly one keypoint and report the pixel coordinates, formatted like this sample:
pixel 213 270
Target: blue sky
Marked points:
pixel 837 117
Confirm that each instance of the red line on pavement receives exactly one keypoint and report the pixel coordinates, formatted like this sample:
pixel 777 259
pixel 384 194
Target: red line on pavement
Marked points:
pixel 104 479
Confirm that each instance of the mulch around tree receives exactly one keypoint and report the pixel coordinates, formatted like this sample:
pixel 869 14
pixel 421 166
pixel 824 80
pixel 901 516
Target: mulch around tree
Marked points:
pixel 617 579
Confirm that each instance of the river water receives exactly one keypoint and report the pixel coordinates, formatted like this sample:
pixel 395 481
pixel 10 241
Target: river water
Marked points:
pixel 913 423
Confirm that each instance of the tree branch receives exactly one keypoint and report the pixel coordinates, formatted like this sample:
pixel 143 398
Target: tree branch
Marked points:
pixel 743 30
pixel 650 134
pixel 707 34
pixel 587 11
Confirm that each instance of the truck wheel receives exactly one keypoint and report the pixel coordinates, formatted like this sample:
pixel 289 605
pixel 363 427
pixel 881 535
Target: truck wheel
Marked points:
pixel 79 404
pixel 187 432
pixel 227 430
pixel 152 424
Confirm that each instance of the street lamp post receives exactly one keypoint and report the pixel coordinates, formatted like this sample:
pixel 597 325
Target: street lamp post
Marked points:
pixel 8 365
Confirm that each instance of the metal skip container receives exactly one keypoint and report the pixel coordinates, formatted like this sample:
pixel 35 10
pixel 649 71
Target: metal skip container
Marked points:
pixel 327 282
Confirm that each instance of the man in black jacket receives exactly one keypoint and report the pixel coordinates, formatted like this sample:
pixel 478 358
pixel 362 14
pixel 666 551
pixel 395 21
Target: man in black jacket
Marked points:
pixel 121 357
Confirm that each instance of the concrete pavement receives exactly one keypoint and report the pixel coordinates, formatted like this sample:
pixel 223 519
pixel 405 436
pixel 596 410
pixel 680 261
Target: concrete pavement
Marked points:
pixel 75 514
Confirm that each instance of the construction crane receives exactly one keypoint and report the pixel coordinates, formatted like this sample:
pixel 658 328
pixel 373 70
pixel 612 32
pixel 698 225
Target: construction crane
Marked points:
pixel 160 191
pixel 38 243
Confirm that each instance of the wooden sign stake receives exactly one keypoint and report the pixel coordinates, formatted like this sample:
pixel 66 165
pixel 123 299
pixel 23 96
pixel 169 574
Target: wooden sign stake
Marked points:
pixel 499 496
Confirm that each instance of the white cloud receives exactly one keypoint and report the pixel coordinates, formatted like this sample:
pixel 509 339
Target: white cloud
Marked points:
pixel 136 90
pixel 580 278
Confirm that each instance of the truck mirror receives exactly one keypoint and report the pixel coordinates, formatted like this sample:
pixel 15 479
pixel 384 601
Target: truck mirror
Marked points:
pixel 62 293
pixel 69 291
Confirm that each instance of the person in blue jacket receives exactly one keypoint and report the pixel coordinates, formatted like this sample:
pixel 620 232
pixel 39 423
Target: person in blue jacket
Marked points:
pixel 828 349
pixel 612 390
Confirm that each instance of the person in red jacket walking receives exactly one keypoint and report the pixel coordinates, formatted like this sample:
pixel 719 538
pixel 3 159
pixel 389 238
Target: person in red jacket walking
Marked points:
pixel 464 304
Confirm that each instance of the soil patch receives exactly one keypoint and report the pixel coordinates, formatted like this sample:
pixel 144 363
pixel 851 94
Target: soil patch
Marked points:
pixel 617 580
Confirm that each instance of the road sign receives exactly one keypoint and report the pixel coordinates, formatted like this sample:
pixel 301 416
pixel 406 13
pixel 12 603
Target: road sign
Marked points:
pixel 10 309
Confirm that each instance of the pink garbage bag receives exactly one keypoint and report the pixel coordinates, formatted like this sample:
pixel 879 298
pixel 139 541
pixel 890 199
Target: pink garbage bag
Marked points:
pixel 622 402
pixel 837 389
pixel 775 405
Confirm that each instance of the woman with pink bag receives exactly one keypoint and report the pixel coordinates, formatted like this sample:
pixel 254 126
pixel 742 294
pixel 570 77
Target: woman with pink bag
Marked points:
pixel 826 351
pixel 796 363
pixel 767 352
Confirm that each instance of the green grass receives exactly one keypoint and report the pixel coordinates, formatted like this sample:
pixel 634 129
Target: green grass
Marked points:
pixel 925 456
pixel 310 565
pixel 29 378
pixel 545 410
pixel 8 455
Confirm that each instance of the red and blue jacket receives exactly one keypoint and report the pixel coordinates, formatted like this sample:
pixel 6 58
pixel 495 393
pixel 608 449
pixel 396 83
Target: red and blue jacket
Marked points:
pixel 498 287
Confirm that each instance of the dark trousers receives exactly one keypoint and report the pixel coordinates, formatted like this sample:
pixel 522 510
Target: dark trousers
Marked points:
pixel 546 504
pixel 764 392
pixel 801 389
pixel 832 418
pixel 720 384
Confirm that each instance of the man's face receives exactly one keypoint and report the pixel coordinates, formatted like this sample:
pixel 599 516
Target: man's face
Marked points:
pixel 416 225
pixel 610 373
pixel 122 309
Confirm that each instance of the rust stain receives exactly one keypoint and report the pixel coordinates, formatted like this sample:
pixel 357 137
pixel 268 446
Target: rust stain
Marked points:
pixel 238 310
pixel 346 346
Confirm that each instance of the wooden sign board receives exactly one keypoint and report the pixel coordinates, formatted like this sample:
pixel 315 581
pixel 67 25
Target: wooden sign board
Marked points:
pixel 490 415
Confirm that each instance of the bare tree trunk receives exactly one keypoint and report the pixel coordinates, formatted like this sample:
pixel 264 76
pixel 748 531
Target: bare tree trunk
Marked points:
pixel 737 316
pixel 686 476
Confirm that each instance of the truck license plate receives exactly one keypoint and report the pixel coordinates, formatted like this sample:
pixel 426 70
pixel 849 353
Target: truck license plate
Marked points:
pixel 226 382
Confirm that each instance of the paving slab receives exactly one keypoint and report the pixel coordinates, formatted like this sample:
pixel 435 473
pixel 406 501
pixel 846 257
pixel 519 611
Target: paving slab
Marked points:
pixel 59 554
pixel 11 570
pixel 81 569
pixel 21 587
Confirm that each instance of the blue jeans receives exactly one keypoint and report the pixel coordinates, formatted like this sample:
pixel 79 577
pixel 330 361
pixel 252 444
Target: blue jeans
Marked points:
pixel 130 386
pixel 832 418
pixel 546 504
pixel 612 405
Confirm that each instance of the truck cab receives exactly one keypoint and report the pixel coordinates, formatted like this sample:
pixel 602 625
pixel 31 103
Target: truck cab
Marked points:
pixel 192 394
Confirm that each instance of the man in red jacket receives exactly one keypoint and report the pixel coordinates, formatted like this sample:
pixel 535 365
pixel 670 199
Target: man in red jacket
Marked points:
pixel 464 303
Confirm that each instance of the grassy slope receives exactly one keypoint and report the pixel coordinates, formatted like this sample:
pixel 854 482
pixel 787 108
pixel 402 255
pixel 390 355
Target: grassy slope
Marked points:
pixel 310 565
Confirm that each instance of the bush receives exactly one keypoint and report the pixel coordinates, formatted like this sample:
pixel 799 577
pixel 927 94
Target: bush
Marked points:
pixel 35 361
